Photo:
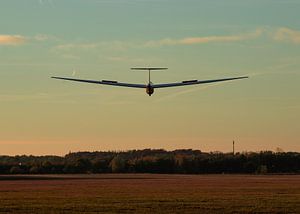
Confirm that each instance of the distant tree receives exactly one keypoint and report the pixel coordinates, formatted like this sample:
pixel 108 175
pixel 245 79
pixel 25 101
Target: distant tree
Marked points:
pixel 262 169
pixel 249 167
pixel 100 166
pixel 46 167
pixel 34 170
pixel 154 161
pixel 279 150
pixel 83 165
pixel 16 170
pixel 118 164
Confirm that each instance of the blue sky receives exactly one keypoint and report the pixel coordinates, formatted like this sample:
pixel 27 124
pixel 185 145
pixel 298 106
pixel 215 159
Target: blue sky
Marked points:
pixel 102 39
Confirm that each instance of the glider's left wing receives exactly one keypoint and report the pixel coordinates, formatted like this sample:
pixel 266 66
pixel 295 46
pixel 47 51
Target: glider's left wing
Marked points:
pixel 193 82
pixel 104 82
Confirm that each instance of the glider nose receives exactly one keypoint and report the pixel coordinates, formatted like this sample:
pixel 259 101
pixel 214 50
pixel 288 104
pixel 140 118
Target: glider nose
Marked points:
pixel 149 90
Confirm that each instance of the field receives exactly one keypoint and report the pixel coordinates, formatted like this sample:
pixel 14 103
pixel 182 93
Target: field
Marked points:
pixel 145 193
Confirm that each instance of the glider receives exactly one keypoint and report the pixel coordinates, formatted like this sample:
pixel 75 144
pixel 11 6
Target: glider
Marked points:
pixel 150 86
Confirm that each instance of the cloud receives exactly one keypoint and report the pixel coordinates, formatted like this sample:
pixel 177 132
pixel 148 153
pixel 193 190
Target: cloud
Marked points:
pixel 41 2
pixel 207 39
pixel 21 97
pixel 81 46
pixel 286 2
pixel 87 46
pixel 128 59
pixel 125 45
pixel 70 56
pixel 287 35
pixel 12 40
pixel 18 39
pixel 44 37
pixel 279 35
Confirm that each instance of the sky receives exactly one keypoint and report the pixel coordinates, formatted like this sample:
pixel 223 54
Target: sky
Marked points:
pixel 103 39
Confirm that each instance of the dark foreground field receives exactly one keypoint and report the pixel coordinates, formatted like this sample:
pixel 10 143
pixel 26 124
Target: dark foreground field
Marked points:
pixel 145 193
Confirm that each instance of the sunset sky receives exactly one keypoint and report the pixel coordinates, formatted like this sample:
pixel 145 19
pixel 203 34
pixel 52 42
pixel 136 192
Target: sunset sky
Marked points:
pixel 103 39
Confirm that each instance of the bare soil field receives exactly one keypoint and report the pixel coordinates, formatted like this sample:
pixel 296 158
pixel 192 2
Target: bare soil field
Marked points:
pixel 148 193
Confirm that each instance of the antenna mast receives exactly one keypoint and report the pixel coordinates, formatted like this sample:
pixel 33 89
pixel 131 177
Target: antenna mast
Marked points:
pixel 233 147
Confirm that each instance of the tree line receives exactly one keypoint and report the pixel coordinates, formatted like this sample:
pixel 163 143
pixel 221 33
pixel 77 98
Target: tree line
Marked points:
pixel 184 161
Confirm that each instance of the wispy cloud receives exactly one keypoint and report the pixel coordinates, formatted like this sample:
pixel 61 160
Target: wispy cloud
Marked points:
pixel 206 39
pixel 129 1
pixel 112 45
pixel 286 2
pixel 278 35
pixel 19 40
pixel 131 59
pixel 125 45
pixel 287 35
pixel 21 97
pixel 70 56
pixel 12 40
pixel 45 37
pixel 42 97
pixel 45 2
pixel 81 46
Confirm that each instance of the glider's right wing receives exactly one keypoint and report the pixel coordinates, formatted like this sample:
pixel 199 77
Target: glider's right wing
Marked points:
pixel 104 82
pixel 193 82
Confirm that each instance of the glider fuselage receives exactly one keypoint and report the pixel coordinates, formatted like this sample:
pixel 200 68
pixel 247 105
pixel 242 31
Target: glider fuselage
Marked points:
pixel 149 89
